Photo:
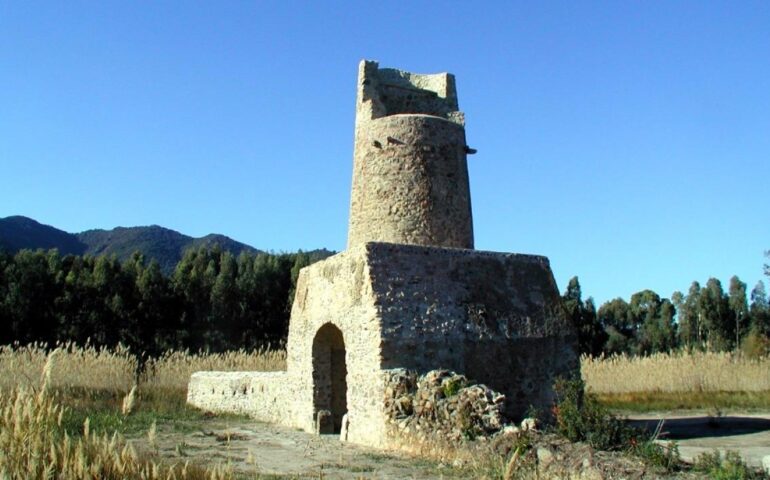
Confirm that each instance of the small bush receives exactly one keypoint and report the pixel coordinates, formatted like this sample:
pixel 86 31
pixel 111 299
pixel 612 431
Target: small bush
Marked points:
pixel 452 386
pixel 580 418
pixel 728 467
pixel 666 457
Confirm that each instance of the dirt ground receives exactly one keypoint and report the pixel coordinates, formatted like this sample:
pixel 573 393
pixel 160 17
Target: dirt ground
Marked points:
pixel 251 447
pixel 695 433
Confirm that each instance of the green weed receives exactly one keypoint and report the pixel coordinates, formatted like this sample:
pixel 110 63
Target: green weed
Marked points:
pixel 728 467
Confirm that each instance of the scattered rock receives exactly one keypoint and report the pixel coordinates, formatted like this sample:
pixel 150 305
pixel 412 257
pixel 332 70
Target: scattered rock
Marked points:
pixel 528 424
pixel 544 456
pixel 510 430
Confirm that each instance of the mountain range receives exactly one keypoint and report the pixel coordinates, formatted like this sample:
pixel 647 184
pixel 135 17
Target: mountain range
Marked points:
pixel 164 245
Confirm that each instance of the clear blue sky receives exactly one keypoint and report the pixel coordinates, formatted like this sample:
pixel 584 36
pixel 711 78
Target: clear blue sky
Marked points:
pixel 627 141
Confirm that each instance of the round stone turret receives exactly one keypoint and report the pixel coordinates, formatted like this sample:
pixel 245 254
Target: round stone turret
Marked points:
pixel 410 175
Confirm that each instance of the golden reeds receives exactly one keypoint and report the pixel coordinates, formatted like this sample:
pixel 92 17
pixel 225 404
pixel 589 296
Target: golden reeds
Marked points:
pixel 33 445
pixel 69 366
pixel 676 372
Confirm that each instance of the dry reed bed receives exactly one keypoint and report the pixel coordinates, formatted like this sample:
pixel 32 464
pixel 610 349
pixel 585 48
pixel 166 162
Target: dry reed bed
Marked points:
pixel 34 445
pixel 103 369
pixel 676 372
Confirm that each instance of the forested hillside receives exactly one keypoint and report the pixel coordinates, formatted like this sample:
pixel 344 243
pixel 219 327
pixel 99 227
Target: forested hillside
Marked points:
pixel 213 300
pixel 17 233
pixel 157 243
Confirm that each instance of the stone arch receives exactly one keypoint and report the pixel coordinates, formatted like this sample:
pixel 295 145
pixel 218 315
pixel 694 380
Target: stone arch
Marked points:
pixel 329 377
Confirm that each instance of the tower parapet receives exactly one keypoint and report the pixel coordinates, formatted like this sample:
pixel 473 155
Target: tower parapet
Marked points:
pixel 410 174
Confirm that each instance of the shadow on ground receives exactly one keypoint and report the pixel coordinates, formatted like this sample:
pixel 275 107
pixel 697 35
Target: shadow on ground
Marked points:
pixel 703 426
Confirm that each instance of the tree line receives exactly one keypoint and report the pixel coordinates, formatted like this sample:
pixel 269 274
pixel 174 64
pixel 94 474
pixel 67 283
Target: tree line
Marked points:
pixel 216 301
pixel 212 300
pixel 706 318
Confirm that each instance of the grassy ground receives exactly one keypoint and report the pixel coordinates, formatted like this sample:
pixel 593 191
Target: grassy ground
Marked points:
pixel 104 408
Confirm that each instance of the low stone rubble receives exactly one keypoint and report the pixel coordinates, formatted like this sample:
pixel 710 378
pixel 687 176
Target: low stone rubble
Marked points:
pixel 443 403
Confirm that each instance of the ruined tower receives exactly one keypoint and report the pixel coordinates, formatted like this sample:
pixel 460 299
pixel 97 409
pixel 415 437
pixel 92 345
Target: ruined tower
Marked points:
pixel 409 292
pixel 410 176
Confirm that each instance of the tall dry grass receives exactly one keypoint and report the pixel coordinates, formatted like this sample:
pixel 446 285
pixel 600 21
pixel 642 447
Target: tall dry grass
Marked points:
pixel 115 370
pixel 173 369
pixel 676 372
pixel 93 368
pixel 89 367
pixel 33 444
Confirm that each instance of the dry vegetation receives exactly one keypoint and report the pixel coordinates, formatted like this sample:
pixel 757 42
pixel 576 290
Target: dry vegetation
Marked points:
pixel 33 443
pixel 677 372
pixel 115 370
pixel 41 388
pixel 43 392
pixel 680 381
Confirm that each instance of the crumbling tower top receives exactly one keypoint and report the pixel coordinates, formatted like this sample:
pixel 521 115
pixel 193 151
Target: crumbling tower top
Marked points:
pixel 410 174
pixel 388 91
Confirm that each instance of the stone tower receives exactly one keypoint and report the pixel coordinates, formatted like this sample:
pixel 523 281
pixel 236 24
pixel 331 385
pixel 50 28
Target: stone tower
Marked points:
pixel 410 176
pixel 409 292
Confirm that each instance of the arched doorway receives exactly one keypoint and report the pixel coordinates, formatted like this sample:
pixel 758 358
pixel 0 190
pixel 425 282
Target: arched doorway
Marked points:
pixel 329 376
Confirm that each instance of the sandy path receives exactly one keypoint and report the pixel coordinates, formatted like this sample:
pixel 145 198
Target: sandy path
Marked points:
pixel 251 447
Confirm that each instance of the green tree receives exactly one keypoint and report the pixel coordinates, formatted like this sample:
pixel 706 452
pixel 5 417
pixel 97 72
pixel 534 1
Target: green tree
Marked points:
pixel 6 335
pixel 691 331
pixel 193 281
pixel 224 303
pixel 591 335
pixel 716 316
pixel 157 311
pixel 615 317
pixel 30 293
pixel 738 306
pixel 653 319
pixel 760 310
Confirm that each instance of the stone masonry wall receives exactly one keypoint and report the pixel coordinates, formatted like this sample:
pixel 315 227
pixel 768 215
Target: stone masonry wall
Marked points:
pixel 389 91
pixel 410 174
pixel 338 291
pixel 494 317
pixel 411 183
pixel 260 395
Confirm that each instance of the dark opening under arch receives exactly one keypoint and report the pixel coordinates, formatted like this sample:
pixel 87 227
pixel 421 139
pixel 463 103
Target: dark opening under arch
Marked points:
pixel 329 376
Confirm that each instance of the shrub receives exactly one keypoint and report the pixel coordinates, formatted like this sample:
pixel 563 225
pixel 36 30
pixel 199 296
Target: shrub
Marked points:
pixel 451 386
pixel 728 467
pixel 580 418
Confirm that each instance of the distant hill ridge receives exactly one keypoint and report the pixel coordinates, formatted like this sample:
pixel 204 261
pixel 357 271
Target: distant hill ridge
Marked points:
pixel 164 245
